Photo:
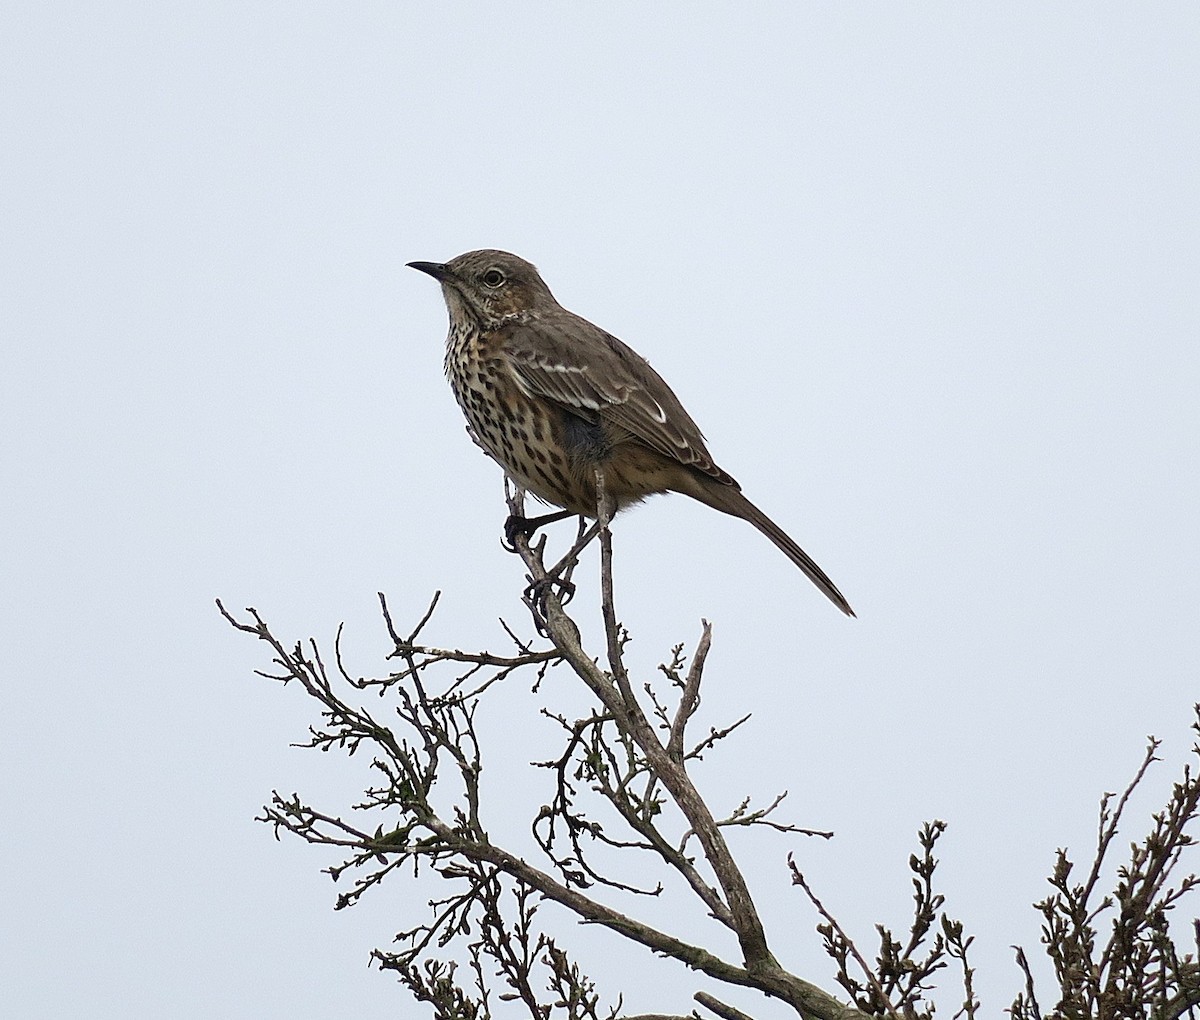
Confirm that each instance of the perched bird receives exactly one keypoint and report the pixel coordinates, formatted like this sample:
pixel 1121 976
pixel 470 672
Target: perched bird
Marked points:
pixel 552 397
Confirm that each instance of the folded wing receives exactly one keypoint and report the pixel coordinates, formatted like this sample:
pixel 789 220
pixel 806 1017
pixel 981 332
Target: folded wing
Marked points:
pixel 592 373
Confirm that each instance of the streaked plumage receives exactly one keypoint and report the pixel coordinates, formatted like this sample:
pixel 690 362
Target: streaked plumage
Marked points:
pixel 551 396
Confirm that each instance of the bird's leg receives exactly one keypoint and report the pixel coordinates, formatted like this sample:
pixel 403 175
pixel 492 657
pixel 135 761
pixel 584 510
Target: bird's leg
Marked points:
pixel 568 561
pixel 605 507
pixel 516 525
pixel 559 575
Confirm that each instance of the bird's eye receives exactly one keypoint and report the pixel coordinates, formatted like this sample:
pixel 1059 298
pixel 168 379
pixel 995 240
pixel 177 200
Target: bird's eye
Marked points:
pixel 493 277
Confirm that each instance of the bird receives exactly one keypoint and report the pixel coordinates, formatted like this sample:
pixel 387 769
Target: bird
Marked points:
pixel 552 397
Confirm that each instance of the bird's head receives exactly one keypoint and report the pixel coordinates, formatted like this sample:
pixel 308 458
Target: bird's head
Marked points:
pixel 489 287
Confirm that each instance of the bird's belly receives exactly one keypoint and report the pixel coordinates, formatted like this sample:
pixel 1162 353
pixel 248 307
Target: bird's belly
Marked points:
pixel 524 438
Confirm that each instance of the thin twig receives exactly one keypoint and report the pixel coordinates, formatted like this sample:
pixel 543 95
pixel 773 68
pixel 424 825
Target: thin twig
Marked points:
pixel 689 700
pixel 798 879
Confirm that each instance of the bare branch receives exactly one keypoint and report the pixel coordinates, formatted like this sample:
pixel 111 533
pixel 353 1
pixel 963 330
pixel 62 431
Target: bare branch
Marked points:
pixel 881 998
pixel 689 701
pixel 723 1010
pixel 1138 970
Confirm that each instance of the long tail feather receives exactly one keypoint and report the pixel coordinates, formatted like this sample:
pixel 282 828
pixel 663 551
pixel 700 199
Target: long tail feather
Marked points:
pixel 730 500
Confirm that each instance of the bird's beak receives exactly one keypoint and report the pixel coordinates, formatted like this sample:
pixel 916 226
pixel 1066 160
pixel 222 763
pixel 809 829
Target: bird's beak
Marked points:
pixel 437 270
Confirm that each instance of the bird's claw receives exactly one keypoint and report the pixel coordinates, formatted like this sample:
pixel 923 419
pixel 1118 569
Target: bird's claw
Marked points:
pixel 517 525
pixel 538 590
pixel 514 526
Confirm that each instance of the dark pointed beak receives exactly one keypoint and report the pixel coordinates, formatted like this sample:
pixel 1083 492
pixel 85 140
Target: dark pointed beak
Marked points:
pixel 437 270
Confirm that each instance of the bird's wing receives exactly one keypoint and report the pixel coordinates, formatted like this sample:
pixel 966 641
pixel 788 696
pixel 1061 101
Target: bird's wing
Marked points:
pixel 569 361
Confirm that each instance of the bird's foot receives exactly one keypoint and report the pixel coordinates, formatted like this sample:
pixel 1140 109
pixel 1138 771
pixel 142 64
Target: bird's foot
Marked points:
pixel 526 526
pixel 538 590
pixel 544 586
pixel 537 595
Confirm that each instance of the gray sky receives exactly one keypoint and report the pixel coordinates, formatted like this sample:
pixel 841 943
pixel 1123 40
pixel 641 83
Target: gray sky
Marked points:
pixel 926 275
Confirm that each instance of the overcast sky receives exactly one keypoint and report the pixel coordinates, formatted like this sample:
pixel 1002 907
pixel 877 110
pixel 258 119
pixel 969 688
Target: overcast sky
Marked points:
pixel 927 275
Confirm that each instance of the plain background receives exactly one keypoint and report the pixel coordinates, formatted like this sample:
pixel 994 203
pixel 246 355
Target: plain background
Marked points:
pixel 926 274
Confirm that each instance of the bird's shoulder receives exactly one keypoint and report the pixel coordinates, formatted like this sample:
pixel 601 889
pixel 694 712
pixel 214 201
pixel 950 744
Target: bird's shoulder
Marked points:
pixel 564 339
pixel 565 358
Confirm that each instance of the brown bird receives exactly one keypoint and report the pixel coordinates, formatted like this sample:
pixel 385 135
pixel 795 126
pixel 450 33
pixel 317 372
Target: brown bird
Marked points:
pixel 552 397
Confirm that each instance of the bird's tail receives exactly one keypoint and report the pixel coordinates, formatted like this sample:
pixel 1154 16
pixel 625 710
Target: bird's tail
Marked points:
pixel 730 500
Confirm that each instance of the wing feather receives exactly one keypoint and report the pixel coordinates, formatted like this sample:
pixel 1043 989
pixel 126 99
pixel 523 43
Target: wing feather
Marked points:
pixel 566 359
